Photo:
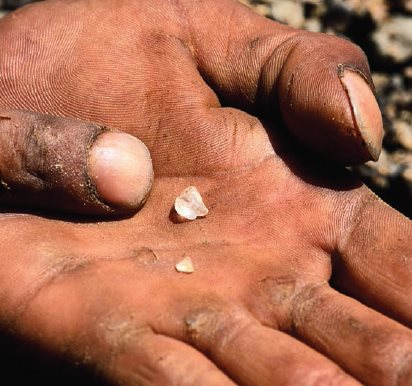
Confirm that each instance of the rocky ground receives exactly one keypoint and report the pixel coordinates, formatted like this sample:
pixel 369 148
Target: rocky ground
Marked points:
pixel 383 28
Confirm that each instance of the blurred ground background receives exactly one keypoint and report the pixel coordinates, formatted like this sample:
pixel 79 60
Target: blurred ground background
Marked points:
pixel 383 28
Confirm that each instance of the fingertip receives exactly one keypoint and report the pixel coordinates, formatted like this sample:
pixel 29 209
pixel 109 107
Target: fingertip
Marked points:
pixel 120 168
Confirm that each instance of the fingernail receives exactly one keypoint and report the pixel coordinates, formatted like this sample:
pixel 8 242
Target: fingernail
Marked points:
pixel 366 112
pixel 121 169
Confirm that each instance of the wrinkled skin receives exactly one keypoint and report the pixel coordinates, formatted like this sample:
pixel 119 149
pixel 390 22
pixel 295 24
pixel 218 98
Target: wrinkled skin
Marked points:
pixel 259 308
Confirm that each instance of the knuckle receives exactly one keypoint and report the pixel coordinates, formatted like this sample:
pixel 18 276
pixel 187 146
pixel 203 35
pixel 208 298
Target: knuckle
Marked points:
pixel 117 331
pixel 310 297
pixel 217 324
pixel 277 294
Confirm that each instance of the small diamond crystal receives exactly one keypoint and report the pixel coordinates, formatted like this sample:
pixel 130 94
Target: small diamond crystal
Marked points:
pixel 190 204
pixel 185 265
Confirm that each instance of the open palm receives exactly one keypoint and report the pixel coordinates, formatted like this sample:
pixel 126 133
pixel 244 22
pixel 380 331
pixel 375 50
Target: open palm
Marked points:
pixel 259 308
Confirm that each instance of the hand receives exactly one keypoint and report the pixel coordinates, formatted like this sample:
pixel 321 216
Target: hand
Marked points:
pixel 282 236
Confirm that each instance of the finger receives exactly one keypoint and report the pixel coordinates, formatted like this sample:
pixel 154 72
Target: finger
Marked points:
pixel 152 359
pixel 321 84
pixel 374 258
pixel 89 316
pixel 69 165
pixel 234 340
pixel 371 347
pixel 108 327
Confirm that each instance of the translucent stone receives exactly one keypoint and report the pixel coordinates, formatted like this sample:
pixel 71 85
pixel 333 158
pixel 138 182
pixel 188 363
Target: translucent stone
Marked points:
pixel 190 204
pixel 185 266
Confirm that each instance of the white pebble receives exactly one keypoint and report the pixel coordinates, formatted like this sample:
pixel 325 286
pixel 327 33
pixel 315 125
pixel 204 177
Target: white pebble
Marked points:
pixel 185 265
pixel 190 204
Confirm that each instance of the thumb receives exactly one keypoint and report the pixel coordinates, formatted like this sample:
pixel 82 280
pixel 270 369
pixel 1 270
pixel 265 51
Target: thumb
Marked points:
pixel 327 100
pixel 72 166
pixel 319 85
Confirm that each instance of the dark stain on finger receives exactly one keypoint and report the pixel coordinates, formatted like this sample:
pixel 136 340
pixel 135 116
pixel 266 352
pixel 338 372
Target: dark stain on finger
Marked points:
pixel 253 44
